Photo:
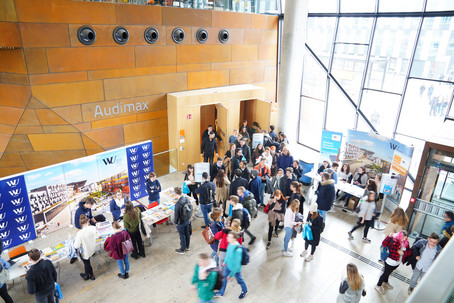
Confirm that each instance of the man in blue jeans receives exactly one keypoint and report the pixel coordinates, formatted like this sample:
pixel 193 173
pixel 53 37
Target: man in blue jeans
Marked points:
pixel 232 265
pixel 206 197
pixel 182 221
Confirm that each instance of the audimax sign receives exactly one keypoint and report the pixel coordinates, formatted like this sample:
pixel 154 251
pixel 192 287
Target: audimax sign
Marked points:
pixel 16 221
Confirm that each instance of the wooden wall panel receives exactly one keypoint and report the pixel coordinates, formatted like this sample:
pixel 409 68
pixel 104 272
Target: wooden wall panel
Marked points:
pixel 44 35
pixel 139 14
pixel 10 34
pixel 186 17
pixel 12 61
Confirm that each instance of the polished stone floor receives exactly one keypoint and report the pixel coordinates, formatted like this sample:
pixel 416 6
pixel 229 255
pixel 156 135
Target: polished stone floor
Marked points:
pixel 164 276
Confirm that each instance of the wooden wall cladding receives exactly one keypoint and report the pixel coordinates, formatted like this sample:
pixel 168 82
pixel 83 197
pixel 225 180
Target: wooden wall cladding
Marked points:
pixel 60 100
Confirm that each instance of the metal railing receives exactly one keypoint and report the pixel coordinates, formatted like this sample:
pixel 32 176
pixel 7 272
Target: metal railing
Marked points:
pixel 433 208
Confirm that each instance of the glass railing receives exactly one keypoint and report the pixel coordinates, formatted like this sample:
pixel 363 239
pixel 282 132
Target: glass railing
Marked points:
pixel 244 6
pixel 165 162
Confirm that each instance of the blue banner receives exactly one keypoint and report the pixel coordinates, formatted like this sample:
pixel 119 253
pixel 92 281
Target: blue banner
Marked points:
pixel 16 221
pixel 140 165
pixel 330 147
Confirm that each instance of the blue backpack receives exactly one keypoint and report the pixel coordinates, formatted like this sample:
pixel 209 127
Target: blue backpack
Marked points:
pixel 246 218
pixel 246 257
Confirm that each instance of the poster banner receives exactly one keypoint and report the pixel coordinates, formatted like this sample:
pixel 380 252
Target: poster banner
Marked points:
pixel 399 170
pixel 140 165
pixel 199 169
pixel 47 193
pixel 256 139
pixel 330 147
pixel 373 152
pixel 82 181
pixel 16 221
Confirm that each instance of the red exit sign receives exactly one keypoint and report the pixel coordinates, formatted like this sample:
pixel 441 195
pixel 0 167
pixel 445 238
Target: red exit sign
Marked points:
pixel 189 116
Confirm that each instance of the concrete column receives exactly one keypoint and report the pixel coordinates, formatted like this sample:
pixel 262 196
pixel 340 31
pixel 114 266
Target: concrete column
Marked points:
pixel 291 69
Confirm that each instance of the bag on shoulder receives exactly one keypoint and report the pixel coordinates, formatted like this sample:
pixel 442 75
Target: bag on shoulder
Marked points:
pixel 245 256
pixel 207 234
pixel 4 275
pixel 307 232
pixel 384 253
pixel 219 277
pixel 246 218
pixel 126 246
pixel 187 212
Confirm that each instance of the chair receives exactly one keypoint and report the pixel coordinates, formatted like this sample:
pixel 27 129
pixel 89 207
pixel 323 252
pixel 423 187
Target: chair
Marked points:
pixel 154 204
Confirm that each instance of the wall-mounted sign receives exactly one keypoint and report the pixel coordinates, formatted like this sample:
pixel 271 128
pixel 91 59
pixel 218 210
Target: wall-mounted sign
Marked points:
pixel 189 116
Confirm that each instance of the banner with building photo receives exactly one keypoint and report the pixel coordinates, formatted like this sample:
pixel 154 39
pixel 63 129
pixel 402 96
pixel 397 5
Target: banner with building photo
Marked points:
pixel 140 165
pixel 16 221
pixel 47 193
pixel 330 146
pixel 112 174
pixel 374 152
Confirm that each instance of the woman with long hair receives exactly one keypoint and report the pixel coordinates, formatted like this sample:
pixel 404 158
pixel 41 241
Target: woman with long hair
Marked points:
pixel 365 216
pixel 316 222
pixel 399 251
pixel 297 193
pixel 228 159
pixel 397 222
pixel 221 192
pixel 344 174
pixel 222 237
pixel 371 186
pixel 189 178
pixel 131 221
pixel 276 213
pixel 257 153
pixel 114 247
pixel 216 226
pixel 289 225
pixel 352 287
pixel 117 204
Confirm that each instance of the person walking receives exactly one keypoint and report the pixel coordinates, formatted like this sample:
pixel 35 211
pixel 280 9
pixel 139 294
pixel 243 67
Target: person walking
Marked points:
pixel 289 224
pixel 248 201
pixel 399 251
pixel 426 252
pixel 86 238
pixel 216 226
pixel 246 150
pixel 204 278
pixel 255 185
pixel 189 178
pixel 237 182
pixel 365 216
pixel 206 197
pixel 131 221
pixel 276 214
pixel 326 194
pixel 221 192
pixel 241 213
pixel 41 278
pixel 397 222
pixel 232 265
pixel 115 248
pixel 297 193
pixel 352 287
pixel 221 236
pixel 264 174
pixel 317 225
pixel 183 214
pixel 209 148
pixel 448 217
pixel 153 188
pixel 117 204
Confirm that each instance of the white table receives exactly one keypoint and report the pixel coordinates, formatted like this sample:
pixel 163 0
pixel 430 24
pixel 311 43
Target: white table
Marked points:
pixel 350 189
pixel 313 175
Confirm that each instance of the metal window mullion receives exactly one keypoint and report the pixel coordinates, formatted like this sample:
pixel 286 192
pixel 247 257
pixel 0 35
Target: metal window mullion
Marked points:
pixel 410 65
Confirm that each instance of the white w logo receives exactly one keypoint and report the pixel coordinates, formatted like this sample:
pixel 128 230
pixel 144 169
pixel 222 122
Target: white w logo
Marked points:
pixel 136 188
pixel 2 216
pixel 7 243
pixel 145 177
pixel 13 183
pixel 17 202
pixel 145 155
pixel 134 158
pixel 15 192
pixel 135 180
pixel 146 170
pixel 135 173
pixel 145 147
pixel 146 162
pixel 23 228
pixel 19 211
pixel 134 165
pixel 5 234
pixel 133 150
pixel 3 225
pixel 21 220
pixel 25 237
pixel 136 195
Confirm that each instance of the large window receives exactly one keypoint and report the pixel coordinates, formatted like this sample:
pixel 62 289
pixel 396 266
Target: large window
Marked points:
pixel 388 67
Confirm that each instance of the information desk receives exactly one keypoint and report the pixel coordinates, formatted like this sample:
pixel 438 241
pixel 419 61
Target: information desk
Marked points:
pixel 350 189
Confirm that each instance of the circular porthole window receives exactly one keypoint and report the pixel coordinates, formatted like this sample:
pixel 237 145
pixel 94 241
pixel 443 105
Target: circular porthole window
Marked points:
pixel 224 35
pixel 178 35
pixel 86 35
pixel 121 35
pixel 202 35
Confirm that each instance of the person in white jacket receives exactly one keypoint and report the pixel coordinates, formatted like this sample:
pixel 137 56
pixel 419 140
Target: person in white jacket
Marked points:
pixel 86 239
pixel 365 216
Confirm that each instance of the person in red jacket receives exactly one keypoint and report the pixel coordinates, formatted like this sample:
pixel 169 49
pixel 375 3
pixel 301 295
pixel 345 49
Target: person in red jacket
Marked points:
pixel 222 236
pixel 113 244
pixel 399 251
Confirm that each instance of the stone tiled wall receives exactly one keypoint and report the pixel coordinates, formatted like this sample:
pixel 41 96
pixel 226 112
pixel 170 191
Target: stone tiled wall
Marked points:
pixel 52 87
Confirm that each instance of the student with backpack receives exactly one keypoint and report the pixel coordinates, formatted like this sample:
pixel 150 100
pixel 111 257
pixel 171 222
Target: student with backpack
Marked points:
pixel 183 214
pixel 241 213
pixel 317 226
pixel 222 238
pixel 297 193
pixel 116 245
pixel 216 226
pixel 206 197
pixel 205 278
pixel 236 256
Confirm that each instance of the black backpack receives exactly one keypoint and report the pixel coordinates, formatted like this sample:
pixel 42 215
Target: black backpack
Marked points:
pixel 209 194
pixel 186 212
pixel 219 277
pixel 246 258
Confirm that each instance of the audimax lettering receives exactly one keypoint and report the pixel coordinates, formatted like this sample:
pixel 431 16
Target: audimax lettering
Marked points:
pixel 120 108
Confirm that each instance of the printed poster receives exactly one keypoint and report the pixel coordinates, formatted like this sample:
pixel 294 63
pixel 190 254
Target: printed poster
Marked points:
pixel 16 221
pixel 199 169
pixel 399 169
pixel 330 147
pixel 140 165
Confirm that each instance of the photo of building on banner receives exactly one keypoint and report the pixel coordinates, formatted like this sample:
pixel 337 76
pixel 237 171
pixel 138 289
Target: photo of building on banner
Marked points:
pixel 47 192
pixel 16 221
pixel 140 165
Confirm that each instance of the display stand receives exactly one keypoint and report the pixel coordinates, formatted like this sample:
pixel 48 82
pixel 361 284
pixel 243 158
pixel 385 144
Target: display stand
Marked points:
pixel 378 224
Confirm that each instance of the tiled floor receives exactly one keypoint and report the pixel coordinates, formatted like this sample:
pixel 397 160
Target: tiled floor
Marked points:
pixel 165 276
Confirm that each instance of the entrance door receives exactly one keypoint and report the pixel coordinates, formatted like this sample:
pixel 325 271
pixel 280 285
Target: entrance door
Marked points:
pixel 221 128
pixel 263 113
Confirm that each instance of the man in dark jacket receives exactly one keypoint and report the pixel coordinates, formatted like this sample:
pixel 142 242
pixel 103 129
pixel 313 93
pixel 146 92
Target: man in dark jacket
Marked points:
pixel 207 132
pixel 245 171
pixel 183 224
pixel 285 159
pixel 326 194
pixel 205 193
pixel 216 167
pixel 237 182
pixel 41 277
pixel 246 150
pixel 239 213
pixel 248 201
pixel 209 147
pixel 285 181
pixel 235 164
pixel 254 186
pixel 153 188
pixel 85 208
pixel 297 169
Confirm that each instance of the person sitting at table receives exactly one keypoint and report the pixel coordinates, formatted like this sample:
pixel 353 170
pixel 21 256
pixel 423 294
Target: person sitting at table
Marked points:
pixel 85 209
pixel 117 204
pixel 86 238
pixel 41 277
pixel 153 188
pixel 131 221
pixel 359 179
